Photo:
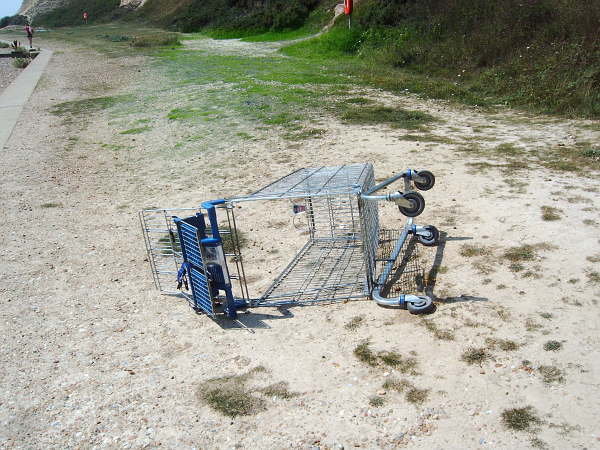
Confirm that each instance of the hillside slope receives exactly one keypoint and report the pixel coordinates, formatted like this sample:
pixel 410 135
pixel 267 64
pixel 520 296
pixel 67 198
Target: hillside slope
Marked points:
pixel 36 8
pixel 543 54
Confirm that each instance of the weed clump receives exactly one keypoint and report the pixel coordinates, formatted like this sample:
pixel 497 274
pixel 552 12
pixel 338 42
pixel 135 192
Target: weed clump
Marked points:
pixel 393 384
pixel 475 355
pixel 552 346
pixel 470 250
pixel 532 325
pixel 442 335
pixel 593 153
pixel 391 359
pixel 232 397
pixel 364 354
pixel 503 344
pixel 376 401
pixel 524 252
pixel 550 214
pixel 520 419
pixel 231 400
pixel 417 396
pixel 398 362
pixel 412 394
pixel 278 390
pixel 593 277
pixel 354 323
pixel 232 240
pixel 551 374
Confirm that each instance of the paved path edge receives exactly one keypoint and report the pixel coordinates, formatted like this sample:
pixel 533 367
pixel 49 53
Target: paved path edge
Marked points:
pixel 16 95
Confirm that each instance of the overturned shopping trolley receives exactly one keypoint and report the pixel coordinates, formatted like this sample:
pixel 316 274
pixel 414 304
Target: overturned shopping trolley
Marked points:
pixel 342 258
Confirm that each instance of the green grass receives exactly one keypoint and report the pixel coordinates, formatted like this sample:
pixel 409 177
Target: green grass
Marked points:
pixel 426 137
pixel 508 150
pixel 86 106
pixel 138 130
pixel 520 419
pixel 394 117
pixel 303 134
pixel 156 40
pixel 359 101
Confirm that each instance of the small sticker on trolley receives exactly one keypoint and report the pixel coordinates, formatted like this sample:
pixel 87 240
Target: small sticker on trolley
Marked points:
pixel 299 209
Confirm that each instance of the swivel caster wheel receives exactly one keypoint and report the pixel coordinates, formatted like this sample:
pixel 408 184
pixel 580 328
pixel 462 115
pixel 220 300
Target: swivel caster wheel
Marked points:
pixel 421 306
pixel 429 180
pixel 417 204
pixel 432 239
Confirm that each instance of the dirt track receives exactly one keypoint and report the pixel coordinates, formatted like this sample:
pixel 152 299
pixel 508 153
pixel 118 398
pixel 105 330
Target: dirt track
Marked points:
pixel 93 356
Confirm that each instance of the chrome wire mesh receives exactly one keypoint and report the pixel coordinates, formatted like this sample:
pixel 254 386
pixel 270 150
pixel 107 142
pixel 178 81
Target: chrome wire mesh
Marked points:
pixel 407 276
pixel 162 245
pixel 164 249
pixel 369 216
pixel 332 264
pixel 321 271
pixel 314 182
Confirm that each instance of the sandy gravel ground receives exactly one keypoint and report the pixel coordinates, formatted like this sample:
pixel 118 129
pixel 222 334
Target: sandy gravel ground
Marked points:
pixel 93 357
pixel 8 73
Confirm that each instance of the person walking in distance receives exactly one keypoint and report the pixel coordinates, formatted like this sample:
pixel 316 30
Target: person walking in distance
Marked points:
pixel 85 17
pixel 29 31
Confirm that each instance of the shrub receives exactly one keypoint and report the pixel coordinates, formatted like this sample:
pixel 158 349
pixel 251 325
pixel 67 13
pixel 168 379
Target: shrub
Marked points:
pixel 13 20
pixel 21 63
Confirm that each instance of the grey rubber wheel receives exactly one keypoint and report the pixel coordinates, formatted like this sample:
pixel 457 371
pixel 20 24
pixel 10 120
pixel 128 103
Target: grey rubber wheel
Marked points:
pixel 433 239
pixel 424 305
pixel 418 204
pixel 429 180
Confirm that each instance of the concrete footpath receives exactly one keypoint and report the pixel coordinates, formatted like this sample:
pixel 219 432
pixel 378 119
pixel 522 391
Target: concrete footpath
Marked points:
pixel 16 95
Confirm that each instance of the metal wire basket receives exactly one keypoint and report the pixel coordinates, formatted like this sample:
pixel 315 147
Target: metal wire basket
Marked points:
pixel 346 255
